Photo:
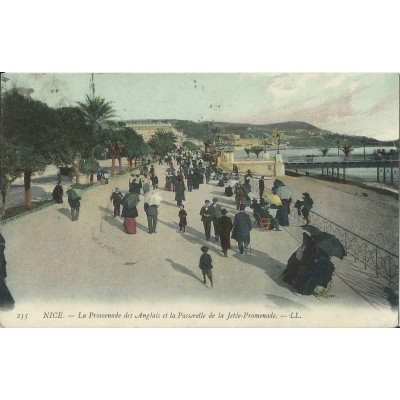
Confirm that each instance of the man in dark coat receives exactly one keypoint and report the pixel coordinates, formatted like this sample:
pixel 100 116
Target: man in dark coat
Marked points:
pixel 180 193
pixel 190 181
pixel 134 186
pixel 207 216
pixel 216 214
pixel 151 212
pixel 154 181
pixel 116 197
pixel 208 174
pixel 261 186
pixel 173 181
pixel 75 205
pixel 241 229
pixel 224 228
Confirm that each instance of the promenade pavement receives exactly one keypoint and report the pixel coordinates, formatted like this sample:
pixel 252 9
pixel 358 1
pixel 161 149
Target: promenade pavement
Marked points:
pixel 92 265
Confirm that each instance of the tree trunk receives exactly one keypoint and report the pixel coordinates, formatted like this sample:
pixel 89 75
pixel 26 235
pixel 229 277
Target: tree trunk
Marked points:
pixel 27 187
pixel 120 164
pixel 113 165
pixel 76 168
pixel 129 163
pixel 135 161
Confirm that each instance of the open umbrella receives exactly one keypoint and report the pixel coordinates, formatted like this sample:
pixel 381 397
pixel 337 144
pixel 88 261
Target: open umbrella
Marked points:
pixel 74 193
pixel 284 192
pixel 130 200
pixel 153 198
pixel 273 198
pixel 329 243
pixel 233 182
pixel 312 230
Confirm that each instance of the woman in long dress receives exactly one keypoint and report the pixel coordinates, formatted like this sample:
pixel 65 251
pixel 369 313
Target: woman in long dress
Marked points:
pixel 129 213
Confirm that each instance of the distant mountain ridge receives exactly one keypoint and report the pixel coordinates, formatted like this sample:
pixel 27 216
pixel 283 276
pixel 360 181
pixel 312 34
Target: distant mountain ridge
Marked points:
pixel 297 133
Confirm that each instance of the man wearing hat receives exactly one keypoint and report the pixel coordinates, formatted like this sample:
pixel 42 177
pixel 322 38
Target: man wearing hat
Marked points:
pixel 241 229
pixel 116 197
pixel 307 206
pixel 206 213
pixel 216 214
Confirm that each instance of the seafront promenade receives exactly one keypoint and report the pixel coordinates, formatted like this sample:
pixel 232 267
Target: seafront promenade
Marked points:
pixel 92 265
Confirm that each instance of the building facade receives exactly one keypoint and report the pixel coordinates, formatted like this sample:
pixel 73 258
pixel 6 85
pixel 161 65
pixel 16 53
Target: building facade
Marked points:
pixel 147 129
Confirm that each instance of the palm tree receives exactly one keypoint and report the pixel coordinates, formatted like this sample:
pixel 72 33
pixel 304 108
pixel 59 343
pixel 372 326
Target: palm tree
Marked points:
pixel 96 110
pixel 256 150
pixel 324 151
pixel 347 149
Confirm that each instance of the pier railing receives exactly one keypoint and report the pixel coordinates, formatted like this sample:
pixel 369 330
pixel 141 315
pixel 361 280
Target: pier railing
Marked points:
pixel 367 255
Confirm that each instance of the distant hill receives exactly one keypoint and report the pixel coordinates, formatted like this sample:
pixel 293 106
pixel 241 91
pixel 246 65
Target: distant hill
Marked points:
pixel 297 133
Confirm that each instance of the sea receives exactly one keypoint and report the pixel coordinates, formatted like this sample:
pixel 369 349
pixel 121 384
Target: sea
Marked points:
pixel 365 175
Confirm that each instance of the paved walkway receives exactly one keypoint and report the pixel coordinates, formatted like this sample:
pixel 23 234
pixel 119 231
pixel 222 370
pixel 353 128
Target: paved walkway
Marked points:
pixel 92 265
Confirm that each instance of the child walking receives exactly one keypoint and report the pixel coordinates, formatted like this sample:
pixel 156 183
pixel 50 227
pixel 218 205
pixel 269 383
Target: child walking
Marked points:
pixel 182 218
pixel 205 265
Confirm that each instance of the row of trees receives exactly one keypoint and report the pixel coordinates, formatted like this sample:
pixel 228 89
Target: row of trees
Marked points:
pixel 346 149
pixel 34 135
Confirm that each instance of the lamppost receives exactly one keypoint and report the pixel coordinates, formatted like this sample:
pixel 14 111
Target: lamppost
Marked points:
pixel 278 141
pixel 264 143
pixel 338 147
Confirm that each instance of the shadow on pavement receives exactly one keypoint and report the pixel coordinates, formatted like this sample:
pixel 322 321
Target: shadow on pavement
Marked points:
pixel 65 211
pixel 170 204
pixel 192 235
pixel 271 267
pixel 284 302
pixel 108 217
pixel 183 270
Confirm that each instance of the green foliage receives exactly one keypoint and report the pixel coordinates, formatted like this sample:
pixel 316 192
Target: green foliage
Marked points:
pixel 247 152
pixel 324 151
pixel 256 150
pixel 90 165
pixel 347 149
pixel 162 142
pixel 28 122
pixel 9 162
pixel 190 145
pixel 96 110
pixel 72 135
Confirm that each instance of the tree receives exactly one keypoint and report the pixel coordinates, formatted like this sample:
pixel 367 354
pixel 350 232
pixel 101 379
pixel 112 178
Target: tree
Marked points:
pixel 90 166
pixel 135 146
pixel 247 152
pixel 96 110
pixel 28 125
pixel 324 151
pixel 74 139
pixel 347 149
pixel 9 169
pixel 190 145
pixel 113 138
pixel 162 142
pixel 257 150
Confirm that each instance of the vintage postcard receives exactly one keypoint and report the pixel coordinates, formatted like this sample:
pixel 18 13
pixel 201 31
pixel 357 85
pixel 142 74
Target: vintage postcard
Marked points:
pixel 199 200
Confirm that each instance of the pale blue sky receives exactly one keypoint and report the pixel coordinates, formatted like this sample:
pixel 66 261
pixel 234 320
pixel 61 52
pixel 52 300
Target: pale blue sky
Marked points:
pixel 357 104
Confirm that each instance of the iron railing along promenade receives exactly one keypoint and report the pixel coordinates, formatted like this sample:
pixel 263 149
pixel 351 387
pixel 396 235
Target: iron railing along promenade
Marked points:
pixel 366 254
pixel 373 258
